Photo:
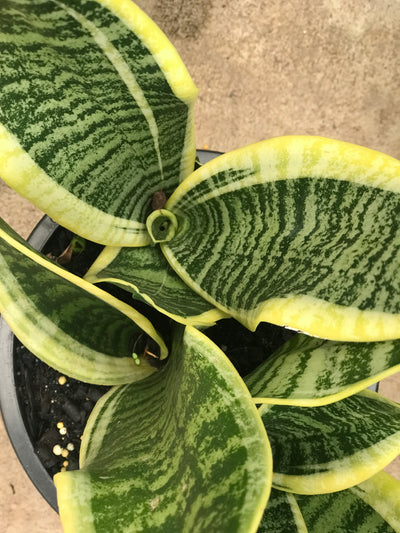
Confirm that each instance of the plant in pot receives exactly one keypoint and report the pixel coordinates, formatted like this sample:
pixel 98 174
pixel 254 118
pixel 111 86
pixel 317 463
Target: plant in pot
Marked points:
pixel 301 232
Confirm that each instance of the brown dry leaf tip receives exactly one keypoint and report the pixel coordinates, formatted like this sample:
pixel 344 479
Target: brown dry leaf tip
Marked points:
pixel 147 352
pixel 158 201
pixel 65 257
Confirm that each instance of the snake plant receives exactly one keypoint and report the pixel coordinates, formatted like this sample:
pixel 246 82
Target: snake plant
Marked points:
pixel 96 129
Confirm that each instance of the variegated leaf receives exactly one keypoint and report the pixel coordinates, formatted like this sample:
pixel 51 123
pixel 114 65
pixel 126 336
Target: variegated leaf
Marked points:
pixel 147 274
pixel 95 113
pixel 308 372
pixel 68 323
pixel 371 507
pixel 282 515
pixel 297 231
pixel 183 450
pixel 333 447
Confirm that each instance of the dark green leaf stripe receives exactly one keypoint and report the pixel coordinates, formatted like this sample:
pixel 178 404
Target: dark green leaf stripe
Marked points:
pixel 307 371
pixel 297 231
pixel 183 450
pixel 371 507
pixel 282 515
pixel 147 273
pixel 333 447
pixel 92 113
pixel 68 323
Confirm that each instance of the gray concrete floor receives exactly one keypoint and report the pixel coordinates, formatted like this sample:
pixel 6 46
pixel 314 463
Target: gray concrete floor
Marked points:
pixel 264 69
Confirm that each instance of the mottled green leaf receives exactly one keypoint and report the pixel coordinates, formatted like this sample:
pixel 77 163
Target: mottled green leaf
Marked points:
pixel 307 371
pixel 95 113
pixel 371 507
pixel 68 323
pixel 296 231
pixel 183 450
pixel 324 449
pixel 147 274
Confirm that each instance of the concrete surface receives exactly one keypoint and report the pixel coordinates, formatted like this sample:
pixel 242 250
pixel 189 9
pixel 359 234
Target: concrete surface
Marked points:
pixel 264 68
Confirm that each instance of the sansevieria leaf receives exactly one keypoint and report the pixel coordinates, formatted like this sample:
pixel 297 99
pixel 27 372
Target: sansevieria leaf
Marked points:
pixel 282 514
pixel 183 450
pixel 296 231
pixel 95 113
pixel 333 447
pixel 147 273
pixel 68 323
pixel 371 507
pixel 308 371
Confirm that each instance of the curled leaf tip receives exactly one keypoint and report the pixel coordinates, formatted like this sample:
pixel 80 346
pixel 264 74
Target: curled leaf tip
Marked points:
pixel 162 225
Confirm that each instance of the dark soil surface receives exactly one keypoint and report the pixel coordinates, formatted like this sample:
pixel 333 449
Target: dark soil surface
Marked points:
pixel 46 403
pixel 55 407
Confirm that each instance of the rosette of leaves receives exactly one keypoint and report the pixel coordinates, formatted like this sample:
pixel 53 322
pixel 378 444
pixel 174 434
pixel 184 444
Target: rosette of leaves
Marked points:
pixel 96 126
